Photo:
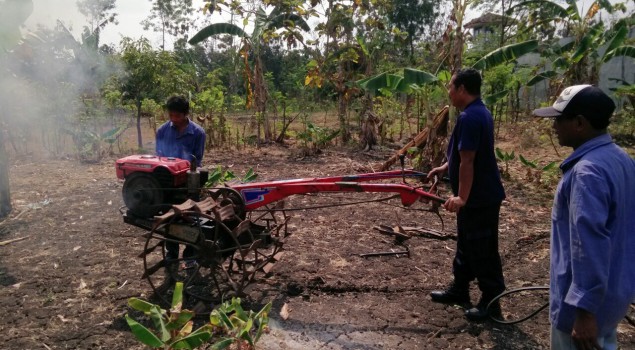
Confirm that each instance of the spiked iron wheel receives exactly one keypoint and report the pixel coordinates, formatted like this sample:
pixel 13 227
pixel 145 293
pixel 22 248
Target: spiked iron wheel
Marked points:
pixel 229 253
pixel 202 283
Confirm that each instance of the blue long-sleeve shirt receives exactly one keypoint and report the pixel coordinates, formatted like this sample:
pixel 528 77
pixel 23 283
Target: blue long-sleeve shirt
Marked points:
pixel 593 236
pixel 171 143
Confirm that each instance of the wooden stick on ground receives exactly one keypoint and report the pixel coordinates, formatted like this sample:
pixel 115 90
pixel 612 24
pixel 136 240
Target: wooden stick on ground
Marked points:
pixel 13 240
pixel 420 139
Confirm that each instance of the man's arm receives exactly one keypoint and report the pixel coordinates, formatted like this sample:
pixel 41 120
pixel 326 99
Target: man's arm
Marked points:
pixel 438 171
pixel 466 178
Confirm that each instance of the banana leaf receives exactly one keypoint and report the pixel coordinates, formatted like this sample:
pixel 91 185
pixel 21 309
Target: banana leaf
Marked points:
pixel 192 341
pixel 588 42
pixel 494 98
pixel 506 54
pixel 542 76
pixel 143 334
pixel 418 77
pixel 616 40
pixel 215 29
pixel 626 51
pixel 564 48
pixel 394 81
pixel 551 8
pixel 280 21
pixel 374 83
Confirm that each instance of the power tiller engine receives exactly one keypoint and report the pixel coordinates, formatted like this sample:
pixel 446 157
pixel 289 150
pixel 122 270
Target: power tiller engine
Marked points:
pixel 152 184
pixel 166 196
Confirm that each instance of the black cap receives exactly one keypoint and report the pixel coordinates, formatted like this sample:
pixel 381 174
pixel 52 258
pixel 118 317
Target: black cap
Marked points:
pixel 586 100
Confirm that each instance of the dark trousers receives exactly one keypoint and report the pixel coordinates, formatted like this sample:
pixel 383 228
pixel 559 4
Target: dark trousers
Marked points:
pixel 477 254
pixel 172 251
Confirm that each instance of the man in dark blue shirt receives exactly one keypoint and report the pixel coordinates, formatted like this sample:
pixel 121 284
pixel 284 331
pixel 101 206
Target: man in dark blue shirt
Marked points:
pixel 180 138
pixel 477 196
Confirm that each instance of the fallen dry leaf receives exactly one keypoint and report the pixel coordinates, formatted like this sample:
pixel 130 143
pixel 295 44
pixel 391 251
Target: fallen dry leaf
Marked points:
pixel 284 312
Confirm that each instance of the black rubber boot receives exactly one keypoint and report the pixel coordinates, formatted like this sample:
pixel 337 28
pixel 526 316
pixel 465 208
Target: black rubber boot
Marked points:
pixel 452 295
pixel 481 313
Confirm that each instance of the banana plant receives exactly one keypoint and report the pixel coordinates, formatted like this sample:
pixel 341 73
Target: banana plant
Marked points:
pixel 534 170
pixel 219 176
pixel 505 157
pixel 265 27
pixel 173 328
pixel 579 59
pixel 240 326
pixel 228 325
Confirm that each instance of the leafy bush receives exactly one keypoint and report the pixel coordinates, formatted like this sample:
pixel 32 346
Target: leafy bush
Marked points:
pixel 316 138
pixel 506 158
pixel 534 170
pixel 220 176
pixel 228 325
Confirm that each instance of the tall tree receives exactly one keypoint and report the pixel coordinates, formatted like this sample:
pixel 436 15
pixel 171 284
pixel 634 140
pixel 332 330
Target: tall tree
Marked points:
pixel 413 17
pixel 13 13
pixel 169 17
pixel 99 13
pixel 149 75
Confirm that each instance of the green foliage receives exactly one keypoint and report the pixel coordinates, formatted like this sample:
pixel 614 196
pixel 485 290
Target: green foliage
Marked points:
pixel 411 80
pixel 92 146
pixel 317 138
pixel 219 176
pixel 169 17
pixel 506 158
pixel 591 41
pixel 215 29
pixel 506 54
pixel 173 329
pixel 534 169
pixel 239 325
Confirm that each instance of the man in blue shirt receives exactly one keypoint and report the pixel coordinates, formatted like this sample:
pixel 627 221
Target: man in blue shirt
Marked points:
pixel 592 279
pixel 180 138
pixel 478 193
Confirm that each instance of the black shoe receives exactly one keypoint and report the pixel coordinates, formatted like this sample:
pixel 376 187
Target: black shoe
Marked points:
pixel 452 295
pixel 482 313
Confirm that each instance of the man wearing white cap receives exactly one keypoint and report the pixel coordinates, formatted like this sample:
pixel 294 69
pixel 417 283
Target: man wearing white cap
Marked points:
pixel 592 281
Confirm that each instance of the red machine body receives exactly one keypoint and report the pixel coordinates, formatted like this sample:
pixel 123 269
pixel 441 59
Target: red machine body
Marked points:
pixel 149 180
pixel 152 164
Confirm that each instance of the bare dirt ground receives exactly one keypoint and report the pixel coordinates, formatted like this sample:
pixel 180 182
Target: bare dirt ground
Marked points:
pixel 66 285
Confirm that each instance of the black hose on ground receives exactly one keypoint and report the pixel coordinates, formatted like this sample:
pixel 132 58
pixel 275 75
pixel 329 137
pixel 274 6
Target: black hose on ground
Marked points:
pixel 513 291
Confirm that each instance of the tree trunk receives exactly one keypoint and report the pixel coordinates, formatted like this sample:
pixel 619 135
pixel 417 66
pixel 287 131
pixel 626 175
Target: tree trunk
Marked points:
pixel 341 115
pixel 260 89
pixel 5 189
pixel 140 141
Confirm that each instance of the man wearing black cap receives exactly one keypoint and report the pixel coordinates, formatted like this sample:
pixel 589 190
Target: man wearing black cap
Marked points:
pixel 592 280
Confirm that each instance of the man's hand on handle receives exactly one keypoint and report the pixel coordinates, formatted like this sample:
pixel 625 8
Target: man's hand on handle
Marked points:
pixel 454 204
pixel 438 171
